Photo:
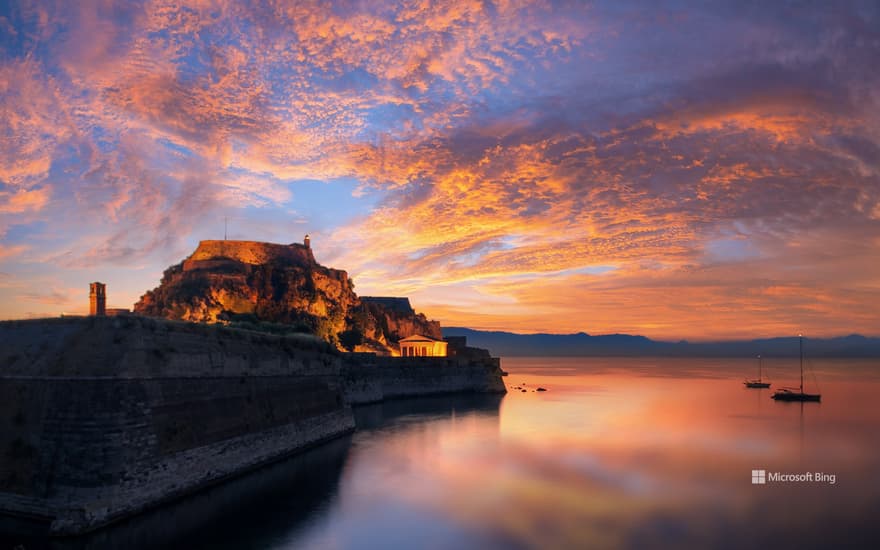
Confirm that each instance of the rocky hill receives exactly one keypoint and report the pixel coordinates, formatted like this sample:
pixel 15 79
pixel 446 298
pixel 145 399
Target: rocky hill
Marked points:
pixel 280 288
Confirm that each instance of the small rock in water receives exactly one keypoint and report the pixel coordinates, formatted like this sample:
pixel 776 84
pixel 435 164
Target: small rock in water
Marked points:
pixel 524 391
pixel 541 389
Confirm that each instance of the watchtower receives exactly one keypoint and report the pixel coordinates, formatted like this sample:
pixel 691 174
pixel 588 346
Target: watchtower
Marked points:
pixel 97 299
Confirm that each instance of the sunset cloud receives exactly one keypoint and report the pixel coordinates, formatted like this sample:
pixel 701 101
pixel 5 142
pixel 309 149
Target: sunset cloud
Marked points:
pixel 24 200
pixel 527 165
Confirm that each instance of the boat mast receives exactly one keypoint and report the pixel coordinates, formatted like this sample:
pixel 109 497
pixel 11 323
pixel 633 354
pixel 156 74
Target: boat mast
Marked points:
pixel 801 345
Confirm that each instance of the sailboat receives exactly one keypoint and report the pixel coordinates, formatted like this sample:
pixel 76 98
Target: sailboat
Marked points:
pixel 790 394
pixel 757 383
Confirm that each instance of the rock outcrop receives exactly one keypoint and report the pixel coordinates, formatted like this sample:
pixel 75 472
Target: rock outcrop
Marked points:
pixel 253 284
pixel 396 317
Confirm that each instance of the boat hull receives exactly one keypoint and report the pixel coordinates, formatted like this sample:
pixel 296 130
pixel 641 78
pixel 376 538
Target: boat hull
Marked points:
pixel 756 384
pixel 796 396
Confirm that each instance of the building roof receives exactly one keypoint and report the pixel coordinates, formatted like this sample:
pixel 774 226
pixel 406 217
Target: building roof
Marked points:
pixel 391 303
pixel 419 338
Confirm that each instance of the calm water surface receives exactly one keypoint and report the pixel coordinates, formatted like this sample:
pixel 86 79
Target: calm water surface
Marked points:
pixel 618 453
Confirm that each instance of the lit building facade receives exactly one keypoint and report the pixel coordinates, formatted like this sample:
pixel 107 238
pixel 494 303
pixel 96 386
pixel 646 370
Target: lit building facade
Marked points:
pixel 422 346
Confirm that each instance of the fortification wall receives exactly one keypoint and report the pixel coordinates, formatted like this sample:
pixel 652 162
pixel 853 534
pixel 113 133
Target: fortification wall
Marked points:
pixel 133 346
pixel 220 265
pixel 103 418
pixel 253 252
pixel 369 379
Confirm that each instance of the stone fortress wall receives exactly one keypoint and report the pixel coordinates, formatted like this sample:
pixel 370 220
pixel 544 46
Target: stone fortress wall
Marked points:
pixel 103 417
pixel 210 254
pixel 372 378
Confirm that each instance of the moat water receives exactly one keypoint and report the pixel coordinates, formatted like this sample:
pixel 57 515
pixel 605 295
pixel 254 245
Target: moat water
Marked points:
pixel 618 453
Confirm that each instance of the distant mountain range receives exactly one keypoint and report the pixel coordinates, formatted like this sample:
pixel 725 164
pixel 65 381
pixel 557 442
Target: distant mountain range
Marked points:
pixel 581 344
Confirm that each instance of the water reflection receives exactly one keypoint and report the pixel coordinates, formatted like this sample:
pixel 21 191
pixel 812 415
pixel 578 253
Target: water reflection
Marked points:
pixel 384 415
pixel 272 506
pixel 619 453
pixel 245 512
pixel 664 449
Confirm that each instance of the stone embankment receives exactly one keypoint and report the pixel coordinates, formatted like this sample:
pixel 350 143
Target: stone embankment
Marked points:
pixel 369 379
pixel 102 418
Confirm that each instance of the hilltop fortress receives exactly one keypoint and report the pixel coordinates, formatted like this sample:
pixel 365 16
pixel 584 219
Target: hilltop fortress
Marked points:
pixel 213 254
pixel 248 282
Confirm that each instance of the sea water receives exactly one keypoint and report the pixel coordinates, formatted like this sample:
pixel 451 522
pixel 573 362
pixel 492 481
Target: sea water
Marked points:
pixel 617 453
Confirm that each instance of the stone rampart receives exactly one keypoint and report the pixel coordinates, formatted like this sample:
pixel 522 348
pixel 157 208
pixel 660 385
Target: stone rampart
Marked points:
pixel 253 252
pixel 368 378
pixel 101 418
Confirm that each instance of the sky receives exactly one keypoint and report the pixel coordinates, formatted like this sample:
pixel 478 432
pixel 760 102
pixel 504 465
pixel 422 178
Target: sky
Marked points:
pixel 682 170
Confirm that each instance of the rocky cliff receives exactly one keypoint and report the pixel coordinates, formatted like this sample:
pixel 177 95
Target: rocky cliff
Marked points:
pixel 254 284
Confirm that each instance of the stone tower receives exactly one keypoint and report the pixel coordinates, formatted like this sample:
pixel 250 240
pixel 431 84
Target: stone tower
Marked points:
pixel 97 299
pixel 307 241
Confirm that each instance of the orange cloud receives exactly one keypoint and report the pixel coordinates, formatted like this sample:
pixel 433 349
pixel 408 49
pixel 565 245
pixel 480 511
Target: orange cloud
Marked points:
pixel 536 165
pixel 21 201
pixel 11 251
pixel 33 121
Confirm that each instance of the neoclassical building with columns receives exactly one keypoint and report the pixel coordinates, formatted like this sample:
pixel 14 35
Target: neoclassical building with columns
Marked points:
pixel 422 346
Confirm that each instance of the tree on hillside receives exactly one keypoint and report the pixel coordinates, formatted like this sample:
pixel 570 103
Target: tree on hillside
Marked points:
pixel 351 338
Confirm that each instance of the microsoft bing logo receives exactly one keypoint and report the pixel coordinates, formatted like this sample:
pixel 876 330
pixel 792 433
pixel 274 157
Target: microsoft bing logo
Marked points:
pixel 762 477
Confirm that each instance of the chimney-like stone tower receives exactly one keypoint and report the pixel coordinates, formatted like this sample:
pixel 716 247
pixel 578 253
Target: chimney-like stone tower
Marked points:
pixel 307 241
pixel 98 299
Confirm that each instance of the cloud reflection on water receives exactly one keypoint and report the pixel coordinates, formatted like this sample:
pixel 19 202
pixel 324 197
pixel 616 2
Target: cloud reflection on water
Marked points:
pixel 659 461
